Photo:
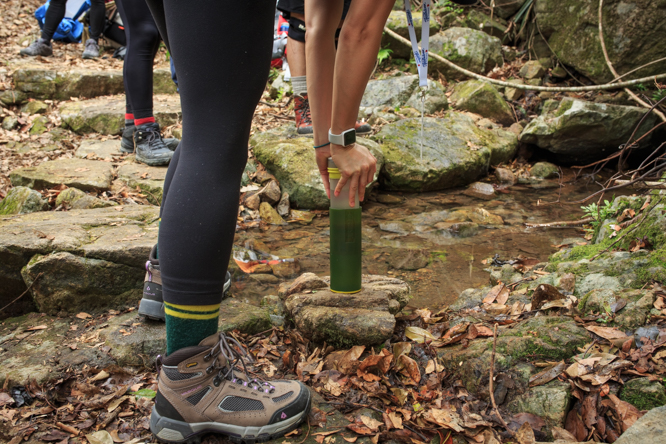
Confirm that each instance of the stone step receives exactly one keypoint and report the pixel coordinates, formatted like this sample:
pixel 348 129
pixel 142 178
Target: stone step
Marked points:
pixel 86 175
pixel 87 258
pixel 107 115
pixel 42 83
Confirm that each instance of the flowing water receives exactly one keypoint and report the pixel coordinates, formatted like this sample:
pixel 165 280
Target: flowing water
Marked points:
pixel 410 228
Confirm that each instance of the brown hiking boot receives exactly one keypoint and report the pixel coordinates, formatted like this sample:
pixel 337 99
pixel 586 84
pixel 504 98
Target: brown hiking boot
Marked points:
pixel 303 117
pixel 199 392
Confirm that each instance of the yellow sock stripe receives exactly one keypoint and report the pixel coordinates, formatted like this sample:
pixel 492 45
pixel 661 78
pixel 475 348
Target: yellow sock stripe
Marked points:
pixel 201 312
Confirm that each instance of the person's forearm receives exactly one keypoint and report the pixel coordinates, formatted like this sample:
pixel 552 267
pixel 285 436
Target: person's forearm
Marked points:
pixel 357 53
pixel 321 20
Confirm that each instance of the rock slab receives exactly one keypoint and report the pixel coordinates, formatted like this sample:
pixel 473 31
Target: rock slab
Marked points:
pixel 650 428
pixel 344 320
pixel 482 98
pixel 473 50
pixel 22 200
pixel 86 175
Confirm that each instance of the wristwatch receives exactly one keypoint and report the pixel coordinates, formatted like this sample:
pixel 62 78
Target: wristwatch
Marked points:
pixel 345 139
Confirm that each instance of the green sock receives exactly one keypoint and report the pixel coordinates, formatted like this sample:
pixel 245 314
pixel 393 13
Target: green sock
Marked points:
pixel 187 325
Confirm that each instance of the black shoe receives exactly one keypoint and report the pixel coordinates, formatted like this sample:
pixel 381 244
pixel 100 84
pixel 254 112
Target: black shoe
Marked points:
pixel 149 145
pixel 152 303
pixel 127 141
pixel 91 50
pixel 39 47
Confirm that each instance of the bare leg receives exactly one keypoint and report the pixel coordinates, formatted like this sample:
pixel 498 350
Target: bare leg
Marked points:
pixel 296 52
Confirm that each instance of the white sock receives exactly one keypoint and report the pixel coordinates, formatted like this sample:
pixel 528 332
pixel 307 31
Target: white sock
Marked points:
pixel 299 85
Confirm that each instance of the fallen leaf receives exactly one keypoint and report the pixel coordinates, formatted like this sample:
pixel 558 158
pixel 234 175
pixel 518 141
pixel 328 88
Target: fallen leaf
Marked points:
pixel 560 433
pixel 352 439
pixel 349 362
pixel 371 423
pixel 101 437
pixel 433 366
pixel 606 332
pixel 5 399
pixel 417 334
pixel 326 433
pixel 360 429
pixel 83 315
pixel 495 292
pixel 401 394
pixel 38 327
pixel 408 367
pixel 396 420
pixel 114 405
pixel 525 434
pixel 547 375
pixel 99 376
pixel 444 418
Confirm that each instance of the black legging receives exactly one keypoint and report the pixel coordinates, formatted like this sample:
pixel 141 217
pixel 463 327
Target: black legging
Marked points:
pixel 143 41
pixel 56 12
pixel 221 81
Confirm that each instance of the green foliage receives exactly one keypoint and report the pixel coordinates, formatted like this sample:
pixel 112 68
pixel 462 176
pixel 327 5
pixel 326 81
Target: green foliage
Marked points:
pixel 449 6
pixel 640 87
pixel 599 214
pixel 145 393
pixel 659 94
pixel 383 54
pixel 273 75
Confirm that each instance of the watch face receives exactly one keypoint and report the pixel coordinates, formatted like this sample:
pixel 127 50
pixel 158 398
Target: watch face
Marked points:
pixel 349 137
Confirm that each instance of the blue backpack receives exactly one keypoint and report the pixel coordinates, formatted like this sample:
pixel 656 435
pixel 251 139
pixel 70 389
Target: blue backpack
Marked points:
pixel 69 30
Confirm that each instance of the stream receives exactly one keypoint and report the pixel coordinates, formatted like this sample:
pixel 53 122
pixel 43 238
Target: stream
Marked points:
pixel 419 232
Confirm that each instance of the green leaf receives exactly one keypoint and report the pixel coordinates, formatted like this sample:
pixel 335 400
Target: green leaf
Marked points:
pixel 145 393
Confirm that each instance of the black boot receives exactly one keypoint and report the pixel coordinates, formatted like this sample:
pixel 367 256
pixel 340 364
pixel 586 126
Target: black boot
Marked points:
pixel 150 148
pixel 127 141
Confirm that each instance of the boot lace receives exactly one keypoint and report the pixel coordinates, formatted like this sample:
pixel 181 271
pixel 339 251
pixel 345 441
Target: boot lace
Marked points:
pixel 225 348
pixel 154 139
pixel 306 116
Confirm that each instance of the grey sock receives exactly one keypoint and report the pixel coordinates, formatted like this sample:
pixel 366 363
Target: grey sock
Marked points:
pixel 299 85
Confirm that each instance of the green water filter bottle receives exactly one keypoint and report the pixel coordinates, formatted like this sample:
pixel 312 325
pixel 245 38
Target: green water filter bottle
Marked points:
pixel 345 237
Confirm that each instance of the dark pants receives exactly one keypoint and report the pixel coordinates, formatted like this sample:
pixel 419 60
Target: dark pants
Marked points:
pixel 143 41
pixel 221 80
pixel 56 12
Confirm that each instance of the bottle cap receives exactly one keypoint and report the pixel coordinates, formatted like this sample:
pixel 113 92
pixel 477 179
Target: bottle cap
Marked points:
pixel 333 171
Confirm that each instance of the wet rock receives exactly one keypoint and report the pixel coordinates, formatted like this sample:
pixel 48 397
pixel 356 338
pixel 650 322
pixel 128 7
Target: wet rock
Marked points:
pixel 389 199
pixel 583 131
pixel 10 97
pixel 269 215
pixel 344 320
pixel 78 200
pixel 464 229
pixel 506 274
pixel 148 178
pixel 391 92
pixel 119 237
pixel 283 205
pixel 22 200
pixel 481 98
pixel 544 170
pixel 513 94
pixel 35 107
pixel 77 173
pixel 435 99
pixel 107 115
pixel 505 176
pixel 480 190
pixel 408 259
pixel 507 8
pixel 305 282
pixel 551 402
pixel 448 159
pixel 397 227
pixel 559 73
pixel 246 318
pixel 292 162
pixel 397 22
pixel 644 394
pixel 471 49
pixel 556 338
pixel 39 125
pixel 532 70
pixel 9 123
pixel 649 428
pixel 286 269
pixel 274 304
pixel 571 28
pixel 95 149
pixel 250 169
pixel 271 193
pixel 482 216
pixel 72 283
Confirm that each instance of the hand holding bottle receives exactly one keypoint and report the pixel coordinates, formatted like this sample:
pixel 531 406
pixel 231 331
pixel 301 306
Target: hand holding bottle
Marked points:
pixel 357 166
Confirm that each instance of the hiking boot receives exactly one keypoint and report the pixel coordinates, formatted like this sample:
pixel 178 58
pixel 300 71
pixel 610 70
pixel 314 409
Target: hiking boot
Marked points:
pixel 152 304
pixel 127 141
pixel 362 128
pixel 149 145
pixel 39 47
pixel 91 50
pixel 198 392
pixel 303 117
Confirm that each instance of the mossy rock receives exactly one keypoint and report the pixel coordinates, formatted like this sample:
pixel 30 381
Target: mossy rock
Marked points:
pixel 35 107
pixel 448 161
pixel 551 402
pixel 397 22
pixel 39 125
pixel 391 92
pixel 482 98
pixel 473 50
pixel 86 175
pixel 149 179
pixel 644 394
pixel 22 200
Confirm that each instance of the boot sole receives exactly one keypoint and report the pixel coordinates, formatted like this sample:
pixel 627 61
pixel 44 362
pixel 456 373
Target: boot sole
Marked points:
pixel 172 431
pixel 155 309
